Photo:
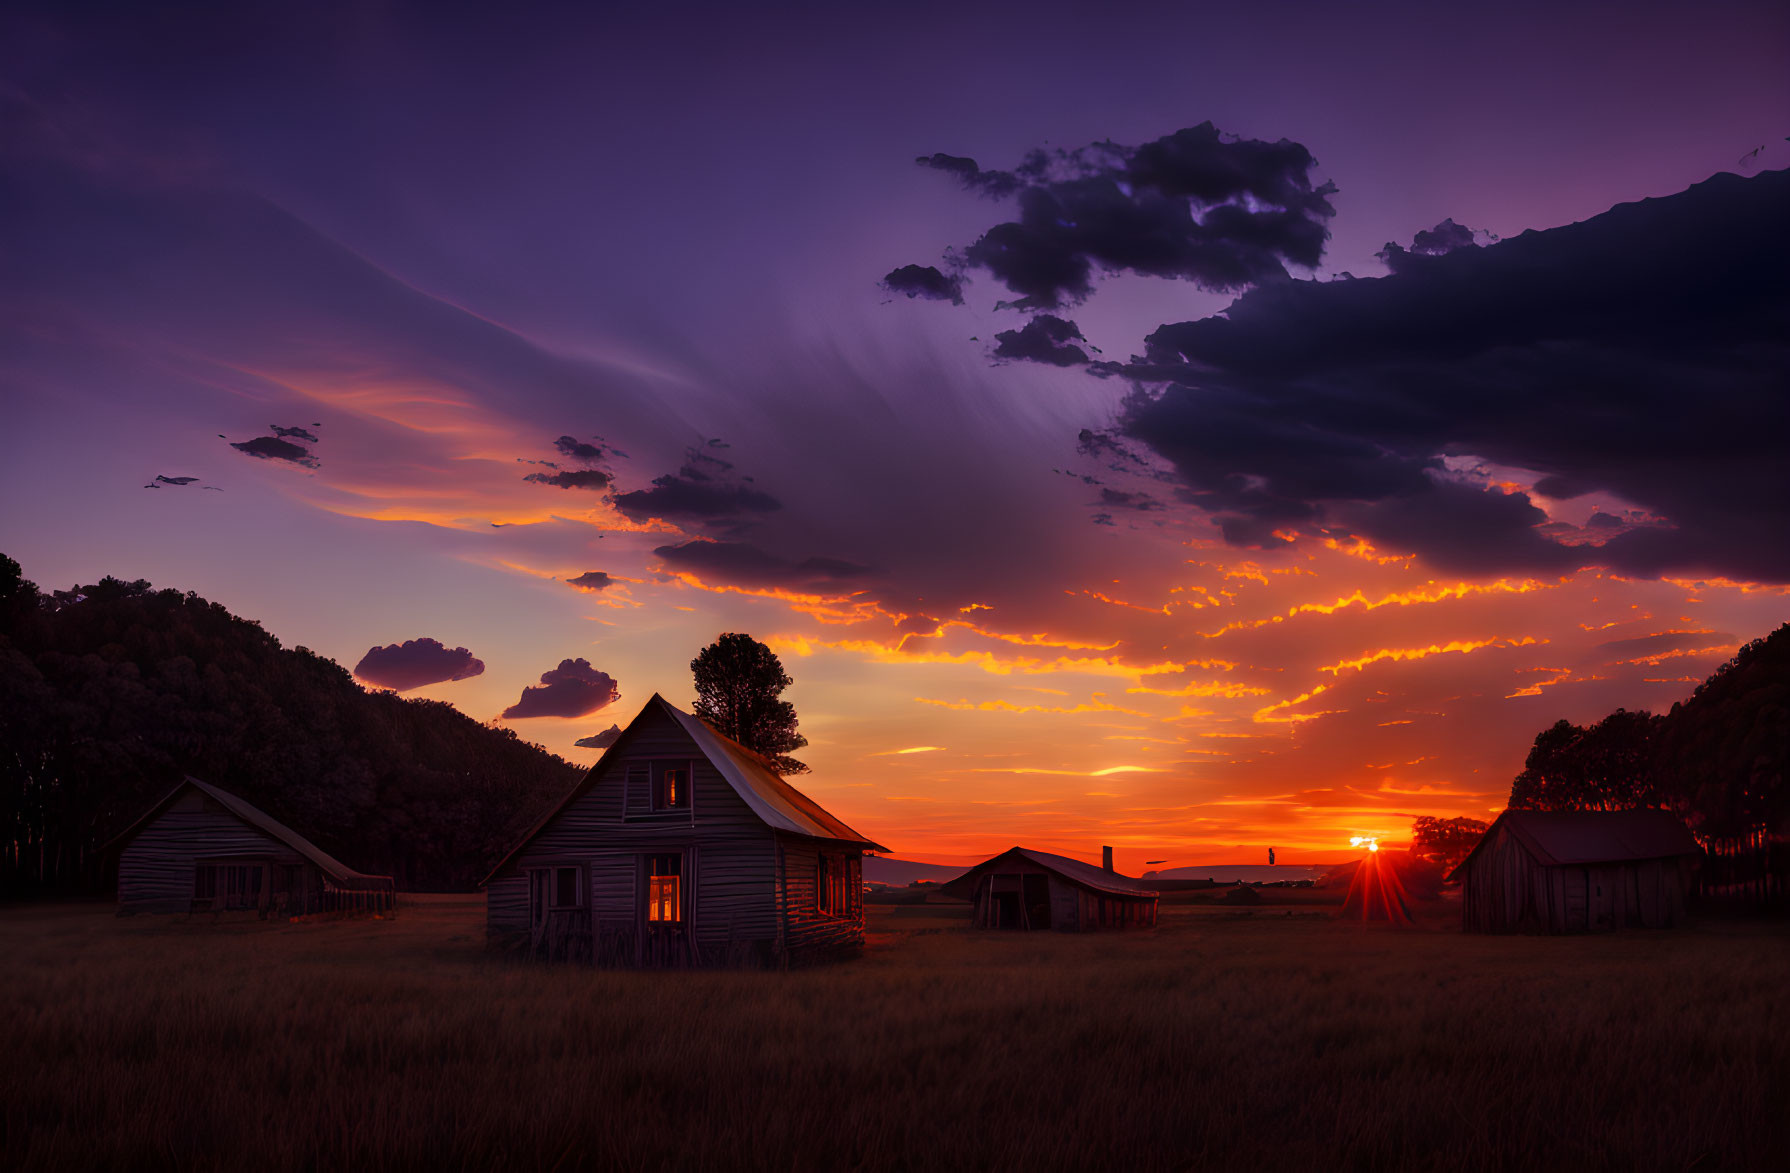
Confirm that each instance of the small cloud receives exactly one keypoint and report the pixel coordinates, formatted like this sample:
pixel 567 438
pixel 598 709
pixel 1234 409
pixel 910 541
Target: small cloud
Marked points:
pixel 591 580
pixel 276 448
pixel 581 478
pixel 294 434
pixel 925 281
pixel 1046 339
pixel 415 663
pixel 601 740
pixel 574 689
pixel 577 449
pixel 704 491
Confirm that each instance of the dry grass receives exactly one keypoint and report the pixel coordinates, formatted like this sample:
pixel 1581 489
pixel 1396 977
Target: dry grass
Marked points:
pixel 1222 1040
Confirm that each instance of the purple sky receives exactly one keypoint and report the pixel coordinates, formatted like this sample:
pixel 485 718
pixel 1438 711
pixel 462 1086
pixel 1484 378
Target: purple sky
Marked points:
pixel 438 241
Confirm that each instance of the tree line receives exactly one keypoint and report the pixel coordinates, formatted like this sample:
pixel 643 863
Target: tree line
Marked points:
pixel 1718 760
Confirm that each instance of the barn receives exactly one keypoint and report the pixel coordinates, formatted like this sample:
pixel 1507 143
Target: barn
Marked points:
pixel 202 849
pixel 1577 871
pixel 1026 889
pixel 681 848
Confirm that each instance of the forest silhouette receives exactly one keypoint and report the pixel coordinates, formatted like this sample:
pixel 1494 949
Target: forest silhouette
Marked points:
pixel 111 693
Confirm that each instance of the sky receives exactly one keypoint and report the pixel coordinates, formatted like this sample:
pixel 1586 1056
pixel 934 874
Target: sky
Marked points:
pixel 1190 428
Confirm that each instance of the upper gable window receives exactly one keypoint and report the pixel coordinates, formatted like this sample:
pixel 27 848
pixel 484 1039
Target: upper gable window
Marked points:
pixel 671 785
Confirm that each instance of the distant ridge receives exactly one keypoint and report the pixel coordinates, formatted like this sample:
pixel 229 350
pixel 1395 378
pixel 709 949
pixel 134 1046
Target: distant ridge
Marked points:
pixel 902 872
pixel 1250 873
pixel 881 869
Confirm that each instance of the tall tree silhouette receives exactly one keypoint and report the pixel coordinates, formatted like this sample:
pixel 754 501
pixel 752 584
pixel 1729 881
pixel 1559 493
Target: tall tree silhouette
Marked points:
pixel 739 683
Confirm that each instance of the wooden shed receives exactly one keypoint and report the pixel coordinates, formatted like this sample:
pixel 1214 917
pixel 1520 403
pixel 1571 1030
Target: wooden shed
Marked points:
pixel 202 849
pixel 1577 871
pixel 1026 889
pixel 682 848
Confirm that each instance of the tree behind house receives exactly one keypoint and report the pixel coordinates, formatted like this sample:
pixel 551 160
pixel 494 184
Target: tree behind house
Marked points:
pixel 739 683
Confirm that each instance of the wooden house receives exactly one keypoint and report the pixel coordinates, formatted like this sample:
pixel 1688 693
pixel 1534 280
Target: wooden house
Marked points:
pixel 1577 871
pixel 682 848
pixel 202 849
pixel 1026 889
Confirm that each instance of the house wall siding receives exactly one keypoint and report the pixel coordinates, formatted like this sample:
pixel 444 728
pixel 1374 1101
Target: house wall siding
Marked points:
pixel 1505 889
pixel 809 933
pixel 730 855
pixel 155 869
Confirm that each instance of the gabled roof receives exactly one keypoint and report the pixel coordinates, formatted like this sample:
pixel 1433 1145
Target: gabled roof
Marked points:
pixel 1555 838
pixel 1086 875
pixel 777 804
pixel 339 873
pixel 756 780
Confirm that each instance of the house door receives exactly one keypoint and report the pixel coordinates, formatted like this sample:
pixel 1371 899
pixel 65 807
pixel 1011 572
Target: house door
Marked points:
pixel 666 910
pixel 1037 900
pixel 1603 899
pixel 540 890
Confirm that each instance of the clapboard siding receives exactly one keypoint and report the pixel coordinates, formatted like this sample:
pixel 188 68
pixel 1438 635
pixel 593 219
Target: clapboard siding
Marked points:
pixel 1505 888
pixel 608 829
pixel 259 862
pixel 155 869
pixel 739 905
pixel 809 933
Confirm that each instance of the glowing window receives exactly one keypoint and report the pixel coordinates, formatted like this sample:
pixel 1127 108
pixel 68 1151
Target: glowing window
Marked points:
pixel 665 889
pixel 671 785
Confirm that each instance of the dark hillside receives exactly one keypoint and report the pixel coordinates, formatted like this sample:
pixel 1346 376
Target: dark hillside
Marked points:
pixel 110 693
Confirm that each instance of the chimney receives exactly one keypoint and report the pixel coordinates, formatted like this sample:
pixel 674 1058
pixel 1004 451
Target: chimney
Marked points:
pixel 1106 858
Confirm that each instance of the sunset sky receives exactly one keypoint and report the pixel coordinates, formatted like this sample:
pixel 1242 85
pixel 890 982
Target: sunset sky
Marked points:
pixel 602 289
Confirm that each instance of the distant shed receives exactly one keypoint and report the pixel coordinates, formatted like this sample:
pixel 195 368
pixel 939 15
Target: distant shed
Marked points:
pixel 1577 871
pixel 1026 889
pixel 202 849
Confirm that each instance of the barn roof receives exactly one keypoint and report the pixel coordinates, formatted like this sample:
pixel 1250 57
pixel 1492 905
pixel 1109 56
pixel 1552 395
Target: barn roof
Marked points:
pixel 1085 875
pixel 1573 837
pixel 777 804
pixel 339 873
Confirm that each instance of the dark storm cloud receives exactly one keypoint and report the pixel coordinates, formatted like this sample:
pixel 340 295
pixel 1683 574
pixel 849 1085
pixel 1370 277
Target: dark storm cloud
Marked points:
pixel 591 580
pixel 603 740
pixel 274 448
pixel 925 281
pixel 1431 242
pixel 416 662
pixel 994 184
pixel 574 689
pixel 1602 520
pixel 576 449
pixel 743 564
pixel 577 478
pixel 1046 338
pixel 1195 205
pixel 704 492
pixel 1641 352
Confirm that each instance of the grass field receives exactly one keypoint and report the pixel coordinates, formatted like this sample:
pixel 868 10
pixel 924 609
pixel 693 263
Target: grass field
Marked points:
pixel 1270 1039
